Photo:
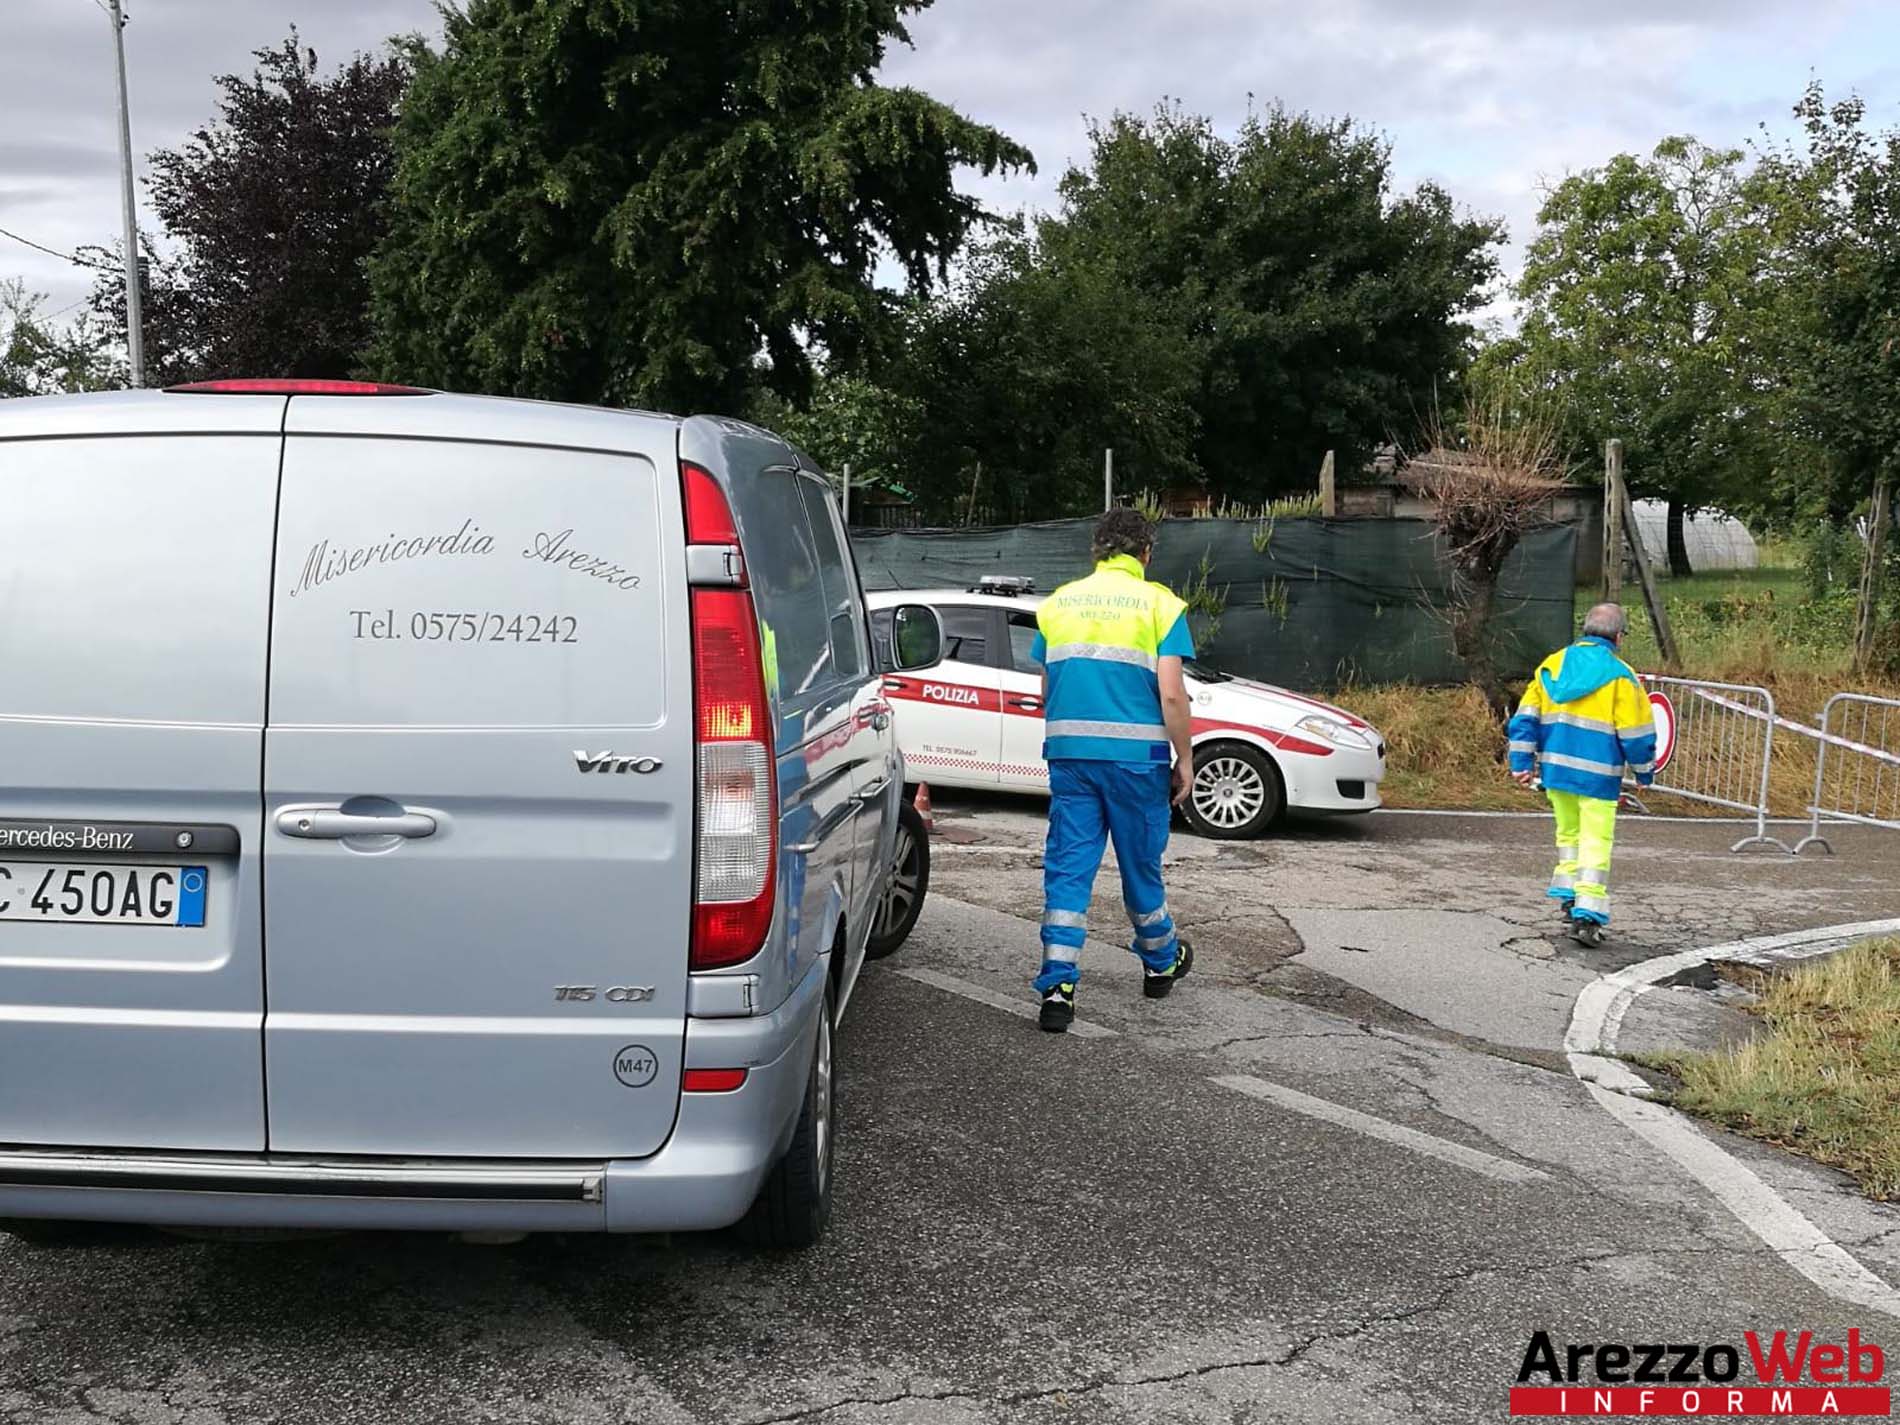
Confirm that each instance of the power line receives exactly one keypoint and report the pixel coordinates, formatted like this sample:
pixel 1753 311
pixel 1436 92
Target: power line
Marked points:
pixel 76 261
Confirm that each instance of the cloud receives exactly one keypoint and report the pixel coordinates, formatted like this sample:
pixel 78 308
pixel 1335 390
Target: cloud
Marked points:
pixel 1493 99
pixel 59 105
pixel 1490 98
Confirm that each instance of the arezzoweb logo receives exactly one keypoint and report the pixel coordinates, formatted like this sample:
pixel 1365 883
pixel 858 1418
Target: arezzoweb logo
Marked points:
pixel 1781 1375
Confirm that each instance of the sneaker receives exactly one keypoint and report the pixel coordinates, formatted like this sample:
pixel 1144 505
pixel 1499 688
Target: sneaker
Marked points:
pixel 1586 933
pixel 1563 908
pixel 1058 1009
pixel 1156 984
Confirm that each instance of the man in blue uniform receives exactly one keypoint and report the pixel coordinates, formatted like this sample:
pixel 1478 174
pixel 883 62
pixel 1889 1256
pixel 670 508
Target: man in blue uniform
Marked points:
pixel 1116 707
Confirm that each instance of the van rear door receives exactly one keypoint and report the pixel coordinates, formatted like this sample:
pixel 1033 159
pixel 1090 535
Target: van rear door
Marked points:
pixel 478 782
pixel 134 596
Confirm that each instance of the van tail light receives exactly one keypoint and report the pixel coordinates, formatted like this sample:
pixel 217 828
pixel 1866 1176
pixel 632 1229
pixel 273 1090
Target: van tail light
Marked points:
pixel 708 516
pixel 737 838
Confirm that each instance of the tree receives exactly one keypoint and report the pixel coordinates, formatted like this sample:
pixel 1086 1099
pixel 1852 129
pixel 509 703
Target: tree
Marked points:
pixel 1644 316
pixel 634 201
pixel 1836 206
pixel 40 358
pixel 172 351
pixel 1028 367
pixel 275 207
pixel 1488 481
pixel 1324 312
pixel 849 421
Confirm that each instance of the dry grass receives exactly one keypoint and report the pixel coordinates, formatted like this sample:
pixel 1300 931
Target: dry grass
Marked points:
pixel 1753 628
pixel 1446 752
pixel 1444 749
pixel 1824 1077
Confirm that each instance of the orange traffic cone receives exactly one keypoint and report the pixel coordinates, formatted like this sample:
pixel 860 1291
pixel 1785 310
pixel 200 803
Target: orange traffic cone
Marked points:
pixel 922 802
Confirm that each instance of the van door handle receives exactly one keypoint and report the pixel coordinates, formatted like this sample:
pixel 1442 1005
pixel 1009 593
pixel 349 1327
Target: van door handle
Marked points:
pixel 330 824
pixel 1027 704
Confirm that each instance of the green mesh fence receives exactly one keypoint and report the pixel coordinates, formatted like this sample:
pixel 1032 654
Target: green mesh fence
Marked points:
pixel 1324 603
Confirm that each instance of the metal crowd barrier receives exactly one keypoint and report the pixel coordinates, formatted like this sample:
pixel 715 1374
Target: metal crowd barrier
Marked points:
pixel 1857 771
pixel 1724 748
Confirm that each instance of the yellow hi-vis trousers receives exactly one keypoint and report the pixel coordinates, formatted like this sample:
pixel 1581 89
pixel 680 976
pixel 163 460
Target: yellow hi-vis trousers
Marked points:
pixel 1586 835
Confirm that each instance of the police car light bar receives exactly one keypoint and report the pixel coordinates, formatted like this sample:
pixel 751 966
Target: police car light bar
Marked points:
pixel 1007 585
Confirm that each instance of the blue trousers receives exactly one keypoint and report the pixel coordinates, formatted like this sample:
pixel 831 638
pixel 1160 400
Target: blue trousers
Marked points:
pixel 1089 803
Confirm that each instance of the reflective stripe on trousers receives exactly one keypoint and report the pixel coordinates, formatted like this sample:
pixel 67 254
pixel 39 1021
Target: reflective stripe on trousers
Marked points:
pixel 1063 935
pixel 1090 803
pixel 1586 839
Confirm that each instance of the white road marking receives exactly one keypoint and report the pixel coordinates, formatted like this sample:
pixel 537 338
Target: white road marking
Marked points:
pixel 1591 1046
pixel 1021 1007
pixel 1410 1138
pixel 1336 1114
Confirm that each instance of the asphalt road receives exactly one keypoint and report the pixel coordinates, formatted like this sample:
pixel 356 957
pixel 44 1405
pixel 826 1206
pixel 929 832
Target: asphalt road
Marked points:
pixel 1080 1228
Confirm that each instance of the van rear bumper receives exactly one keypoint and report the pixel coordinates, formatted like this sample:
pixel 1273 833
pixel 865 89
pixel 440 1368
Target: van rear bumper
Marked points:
pixel 704 1178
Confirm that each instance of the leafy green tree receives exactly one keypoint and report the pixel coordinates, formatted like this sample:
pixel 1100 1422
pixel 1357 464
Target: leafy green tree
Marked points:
pixel 659 201
pixel 274 208
pixel 1027 369
pixel 849 421
pixel 1322 311
pixel 39 357
pixel 1646 316
pixel 1835 201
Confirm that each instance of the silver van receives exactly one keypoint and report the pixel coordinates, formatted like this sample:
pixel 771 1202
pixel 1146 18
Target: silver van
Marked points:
pixel 434 812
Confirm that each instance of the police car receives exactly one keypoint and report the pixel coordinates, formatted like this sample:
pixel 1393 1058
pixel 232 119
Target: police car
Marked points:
pixel 975 720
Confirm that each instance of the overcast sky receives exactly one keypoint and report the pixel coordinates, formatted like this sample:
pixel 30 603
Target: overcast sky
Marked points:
pixel 1491 98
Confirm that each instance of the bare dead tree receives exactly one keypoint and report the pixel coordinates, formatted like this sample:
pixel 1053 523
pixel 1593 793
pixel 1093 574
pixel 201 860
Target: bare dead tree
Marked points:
pixel 1488 480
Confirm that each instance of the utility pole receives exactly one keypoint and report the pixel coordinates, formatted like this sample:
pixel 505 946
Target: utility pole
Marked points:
pixel 1108 478
pixel 134 298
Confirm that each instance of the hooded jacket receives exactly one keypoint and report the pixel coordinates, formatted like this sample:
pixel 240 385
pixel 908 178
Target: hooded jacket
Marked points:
pixel 1585 721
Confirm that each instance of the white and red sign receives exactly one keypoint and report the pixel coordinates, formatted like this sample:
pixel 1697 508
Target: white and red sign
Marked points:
pixel 1664 713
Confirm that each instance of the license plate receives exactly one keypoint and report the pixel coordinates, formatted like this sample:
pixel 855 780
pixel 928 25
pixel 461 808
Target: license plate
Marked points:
pixel 96 894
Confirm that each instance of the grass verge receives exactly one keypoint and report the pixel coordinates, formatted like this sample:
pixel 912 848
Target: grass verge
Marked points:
pixel 1823 1078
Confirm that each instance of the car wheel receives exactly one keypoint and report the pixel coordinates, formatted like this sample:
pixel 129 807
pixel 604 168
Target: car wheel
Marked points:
pixel 909 882
pixel 794 1206
pixel 1236 793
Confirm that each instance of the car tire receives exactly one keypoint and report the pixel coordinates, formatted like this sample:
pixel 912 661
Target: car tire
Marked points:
pixel 1237 792
pixel 902 899
pixel 794 1206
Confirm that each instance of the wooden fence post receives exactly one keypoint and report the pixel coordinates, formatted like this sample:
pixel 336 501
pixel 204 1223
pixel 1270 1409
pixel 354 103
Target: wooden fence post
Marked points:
pixel 1328 489
pixel 1866 615
pixel 1613 522
pixel 1652 596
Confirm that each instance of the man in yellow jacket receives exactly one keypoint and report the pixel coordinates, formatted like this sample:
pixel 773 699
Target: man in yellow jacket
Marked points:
pixel 1584 722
